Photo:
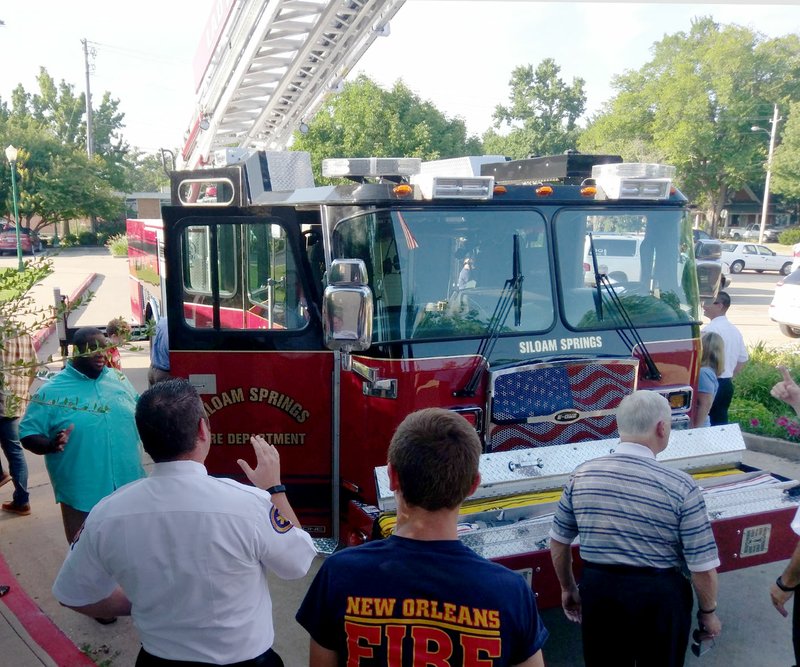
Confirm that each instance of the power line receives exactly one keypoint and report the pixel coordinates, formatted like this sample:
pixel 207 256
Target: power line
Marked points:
pixel 139 55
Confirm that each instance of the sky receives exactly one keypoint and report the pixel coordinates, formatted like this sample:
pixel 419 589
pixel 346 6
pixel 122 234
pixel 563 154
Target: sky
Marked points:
pixel 459 54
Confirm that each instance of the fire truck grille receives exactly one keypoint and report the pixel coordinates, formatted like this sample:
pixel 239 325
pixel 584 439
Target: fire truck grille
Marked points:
pixel 557 403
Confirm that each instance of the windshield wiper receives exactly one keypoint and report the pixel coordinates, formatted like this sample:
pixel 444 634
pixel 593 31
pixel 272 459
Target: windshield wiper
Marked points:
pixel 598 295
pixel 511 295
pixel 631 337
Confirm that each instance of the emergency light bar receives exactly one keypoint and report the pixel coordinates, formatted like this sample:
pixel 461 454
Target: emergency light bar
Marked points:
pixel 370 167
pixel 634 180
pixel 455 187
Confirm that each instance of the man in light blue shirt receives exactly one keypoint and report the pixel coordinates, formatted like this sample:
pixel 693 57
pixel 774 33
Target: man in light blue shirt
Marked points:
pixel 82 421
pixel 159 353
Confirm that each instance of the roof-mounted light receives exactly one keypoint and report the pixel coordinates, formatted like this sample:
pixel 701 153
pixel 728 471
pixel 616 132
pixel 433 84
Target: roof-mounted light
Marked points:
pixel 455 187
pixel 634 180
pixel 370 167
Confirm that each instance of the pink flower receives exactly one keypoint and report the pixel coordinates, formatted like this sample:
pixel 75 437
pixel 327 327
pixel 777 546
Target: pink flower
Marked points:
pixel 755 422
pixel 794 429
pixel 782 421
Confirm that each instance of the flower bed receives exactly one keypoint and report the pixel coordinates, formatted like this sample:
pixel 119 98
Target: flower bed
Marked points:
pixel 753 407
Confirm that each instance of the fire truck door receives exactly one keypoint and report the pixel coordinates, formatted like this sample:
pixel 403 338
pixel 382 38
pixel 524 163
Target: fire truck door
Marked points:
pixel 244 329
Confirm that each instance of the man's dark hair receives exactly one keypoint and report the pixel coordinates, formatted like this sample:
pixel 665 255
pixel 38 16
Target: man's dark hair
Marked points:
pixel 83 336
pixel 725 299
pixel 435 454
pixel 167 416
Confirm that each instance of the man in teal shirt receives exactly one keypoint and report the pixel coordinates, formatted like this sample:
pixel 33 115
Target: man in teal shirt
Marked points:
pixel 82 421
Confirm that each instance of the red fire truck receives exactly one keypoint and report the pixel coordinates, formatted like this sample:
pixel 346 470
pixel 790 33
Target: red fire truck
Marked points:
pixel 528 296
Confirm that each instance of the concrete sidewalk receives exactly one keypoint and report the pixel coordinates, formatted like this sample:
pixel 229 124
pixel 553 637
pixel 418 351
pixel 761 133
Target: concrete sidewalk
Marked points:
pixel 28 635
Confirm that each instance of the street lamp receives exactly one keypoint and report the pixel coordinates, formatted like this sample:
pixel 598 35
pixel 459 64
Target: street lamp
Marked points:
pixel 11 156
pixel 765 203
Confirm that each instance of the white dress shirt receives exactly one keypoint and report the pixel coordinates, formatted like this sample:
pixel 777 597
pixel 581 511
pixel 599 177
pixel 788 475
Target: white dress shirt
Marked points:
pixel 191 552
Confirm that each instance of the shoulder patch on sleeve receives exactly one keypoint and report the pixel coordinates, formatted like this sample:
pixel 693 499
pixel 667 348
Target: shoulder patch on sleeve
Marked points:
pixel 279 523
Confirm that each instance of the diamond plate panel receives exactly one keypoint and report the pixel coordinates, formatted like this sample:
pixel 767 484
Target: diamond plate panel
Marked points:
pixel 546 468
pixel 499 533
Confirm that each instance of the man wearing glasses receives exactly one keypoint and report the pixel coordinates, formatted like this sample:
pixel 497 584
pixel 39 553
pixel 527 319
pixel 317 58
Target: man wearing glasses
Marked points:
pixel 641 526
pixel 736 355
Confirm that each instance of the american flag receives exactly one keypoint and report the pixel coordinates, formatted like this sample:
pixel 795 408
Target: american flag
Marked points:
pixel 542 390
pixel 411 242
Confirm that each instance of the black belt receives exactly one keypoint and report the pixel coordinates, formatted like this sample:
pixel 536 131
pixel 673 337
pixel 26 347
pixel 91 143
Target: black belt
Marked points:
pixel 267 659
pixel 631 569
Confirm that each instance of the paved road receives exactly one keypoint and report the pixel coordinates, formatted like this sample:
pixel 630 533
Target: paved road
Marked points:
pixel 754 635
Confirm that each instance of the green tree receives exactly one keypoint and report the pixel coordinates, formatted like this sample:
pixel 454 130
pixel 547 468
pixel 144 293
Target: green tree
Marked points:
pixel 366 120
pixel 57 181
pixel 692 106
pixel 543 113
pixel 786 159
pixel 146 172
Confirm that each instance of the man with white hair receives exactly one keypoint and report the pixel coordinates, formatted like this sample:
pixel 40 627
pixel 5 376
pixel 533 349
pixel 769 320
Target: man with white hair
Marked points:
pixel 641 525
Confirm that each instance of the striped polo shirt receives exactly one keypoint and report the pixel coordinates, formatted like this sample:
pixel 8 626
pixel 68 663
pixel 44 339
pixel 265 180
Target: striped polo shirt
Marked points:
pixel 629 509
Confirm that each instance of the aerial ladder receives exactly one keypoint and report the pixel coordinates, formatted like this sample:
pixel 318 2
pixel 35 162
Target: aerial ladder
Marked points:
pixel 264 67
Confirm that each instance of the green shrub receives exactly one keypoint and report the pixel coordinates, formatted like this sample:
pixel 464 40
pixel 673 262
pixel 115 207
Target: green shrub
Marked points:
pixel 111 227
pixel 87 238
pixel 754 418
pixel 789 237
pixel 118 245
pixel 69 241
pixel 752 399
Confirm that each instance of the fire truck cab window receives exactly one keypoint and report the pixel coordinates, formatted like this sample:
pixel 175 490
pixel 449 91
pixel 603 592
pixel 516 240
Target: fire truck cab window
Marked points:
pixel 441 273
pixel 644 269
pixel 241 276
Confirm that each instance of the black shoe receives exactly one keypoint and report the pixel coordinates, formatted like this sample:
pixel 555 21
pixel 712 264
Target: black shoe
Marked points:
pixel 106 621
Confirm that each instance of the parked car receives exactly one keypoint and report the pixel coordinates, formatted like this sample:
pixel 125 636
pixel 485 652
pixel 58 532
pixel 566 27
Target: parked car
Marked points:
pixel 29 240
pixel 707 249
pixel 785 306
pixel 751 232
pixel 755 257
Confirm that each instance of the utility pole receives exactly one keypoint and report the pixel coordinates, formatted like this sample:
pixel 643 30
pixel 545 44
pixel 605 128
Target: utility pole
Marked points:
pixel 89 127
pixel 89 124
pixel 765 201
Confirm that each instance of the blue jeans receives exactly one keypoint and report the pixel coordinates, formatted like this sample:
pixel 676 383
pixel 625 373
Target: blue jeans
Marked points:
pixel 17 466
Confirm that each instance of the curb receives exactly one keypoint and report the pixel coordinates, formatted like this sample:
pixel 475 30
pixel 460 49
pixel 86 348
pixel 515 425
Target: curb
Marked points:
pixel 43 637
pixel 775 446
pixel 40 337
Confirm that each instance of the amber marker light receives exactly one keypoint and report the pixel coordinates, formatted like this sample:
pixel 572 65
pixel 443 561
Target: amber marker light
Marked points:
pixel 588 191
pixel 544 190
pixel 500 189
pixel 402 190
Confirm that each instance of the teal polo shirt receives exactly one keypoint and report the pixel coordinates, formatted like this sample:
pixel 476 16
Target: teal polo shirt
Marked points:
pixel 103 452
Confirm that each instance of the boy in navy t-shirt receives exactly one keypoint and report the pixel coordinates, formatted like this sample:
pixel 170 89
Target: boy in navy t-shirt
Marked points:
pixel 421 596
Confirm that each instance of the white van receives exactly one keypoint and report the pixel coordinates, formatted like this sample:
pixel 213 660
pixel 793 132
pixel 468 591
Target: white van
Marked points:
pixel 617 257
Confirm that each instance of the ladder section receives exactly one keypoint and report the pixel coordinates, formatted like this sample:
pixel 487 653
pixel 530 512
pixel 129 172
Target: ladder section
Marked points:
pixel 274 64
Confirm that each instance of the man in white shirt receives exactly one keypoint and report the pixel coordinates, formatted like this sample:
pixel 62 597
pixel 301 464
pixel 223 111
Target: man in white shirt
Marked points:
pixel 186 554
pixel 736 355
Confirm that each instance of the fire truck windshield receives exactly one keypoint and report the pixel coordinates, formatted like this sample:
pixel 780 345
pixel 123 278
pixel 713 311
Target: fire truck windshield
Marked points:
pixel 646 255
pixel 441 272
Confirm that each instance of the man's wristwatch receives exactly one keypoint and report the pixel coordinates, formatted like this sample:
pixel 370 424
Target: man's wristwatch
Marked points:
pixel 786 589
pixel 278 488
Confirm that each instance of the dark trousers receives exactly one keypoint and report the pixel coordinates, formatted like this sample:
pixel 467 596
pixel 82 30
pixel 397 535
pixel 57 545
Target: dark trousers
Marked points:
pixel 722 401
pixel 796 629
pixel 267 659
pixel 634 617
